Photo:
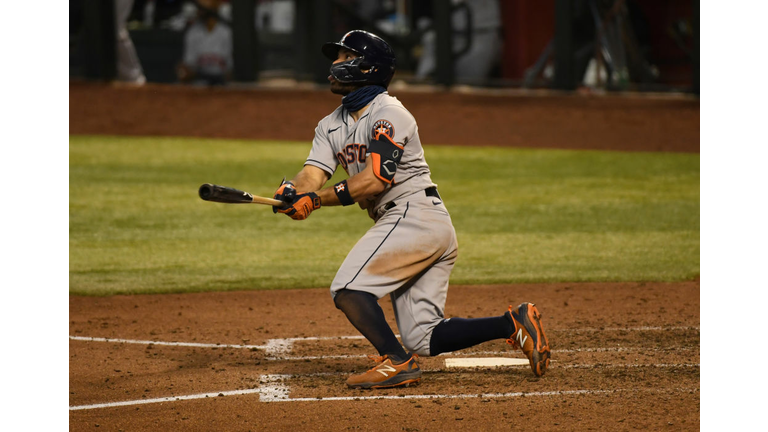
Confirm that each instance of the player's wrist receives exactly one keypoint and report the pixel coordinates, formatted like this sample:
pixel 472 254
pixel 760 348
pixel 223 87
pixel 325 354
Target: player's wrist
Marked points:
pixel 341 189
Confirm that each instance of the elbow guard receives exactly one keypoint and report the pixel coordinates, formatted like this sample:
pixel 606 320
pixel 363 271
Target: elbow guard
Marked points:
pixel 385 155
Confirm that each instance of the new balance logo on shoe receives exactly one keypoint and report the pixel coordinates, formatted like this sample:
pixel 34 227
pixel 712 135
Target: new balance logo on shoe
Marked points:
pixel 520 339
pixel 383 369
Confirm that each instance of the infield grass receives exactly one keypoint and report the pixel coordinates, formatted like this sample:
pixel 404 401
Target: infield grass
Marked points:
pixel 137 225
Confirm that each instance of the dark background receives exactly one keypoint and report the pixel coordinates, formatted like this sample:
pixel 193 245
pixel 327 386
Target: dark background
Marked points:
pixel 658 37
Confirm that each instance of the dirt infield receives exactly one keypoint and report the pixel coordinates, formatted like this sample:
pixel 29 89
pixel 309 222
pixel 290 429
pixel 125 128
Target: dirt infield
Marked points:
pixel 625 355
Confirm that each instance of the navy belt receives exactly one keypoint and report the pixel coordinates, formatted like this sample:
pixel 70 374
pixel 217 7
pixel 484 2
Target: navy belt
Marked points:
pixel 430 192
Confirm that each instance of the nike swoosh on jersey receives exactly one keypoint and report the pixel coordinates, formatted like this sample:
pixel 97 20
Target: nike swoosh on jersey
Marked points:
pixel 333 130
pixel 436 202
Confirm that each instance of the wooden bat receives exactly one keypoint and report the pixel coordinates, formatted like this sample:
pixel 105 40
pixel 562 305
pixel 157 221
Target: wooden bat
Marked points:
pixel 223 194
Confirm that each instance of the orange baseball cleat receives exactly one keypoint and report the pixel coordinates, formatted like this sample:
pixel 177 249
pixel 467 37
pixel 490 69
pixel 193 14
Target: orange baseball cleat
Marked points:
pixel 529 336
pixel 386 374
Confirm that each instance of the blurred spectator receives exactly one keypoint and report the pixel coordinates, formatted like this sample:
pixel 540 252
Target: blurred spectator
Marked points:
pixel 275 16
pixel 157 13
pixel 486 41
pixel 128 66
pixel 207 48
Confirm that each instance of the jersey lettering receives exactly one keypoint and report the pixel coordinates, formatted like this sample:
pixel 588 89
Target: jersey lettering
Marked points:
pixel 352 153
pixel 362 153
pixel 342 160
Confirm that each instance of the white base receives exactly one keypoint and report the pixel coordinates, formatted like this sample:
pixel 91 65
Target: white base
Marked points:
pixel 485 362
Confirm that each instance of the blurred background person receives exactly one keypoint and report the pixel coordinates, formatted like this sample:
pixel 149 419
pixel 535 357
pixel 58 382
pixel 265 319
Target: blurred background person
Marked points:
pixel 128 65
pixel 207 57
pixel 484 53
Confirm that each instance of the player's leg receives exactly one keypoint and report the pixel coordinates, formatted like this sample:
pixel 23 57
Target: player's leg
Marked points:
pixel 419 312
pixel 397 249
pixel 520 326
pixel 419 305
pixel 364 313
pixel 419 309
pixel 394 367
pixel 454 334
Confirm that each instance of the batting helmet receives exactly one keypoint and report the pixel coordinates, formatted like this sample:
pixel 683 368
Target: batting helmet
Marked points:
pixel 375 63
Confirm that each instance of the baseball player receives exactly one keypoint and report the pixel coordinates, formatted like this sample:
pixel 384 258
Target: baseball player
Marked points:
pixel 410 251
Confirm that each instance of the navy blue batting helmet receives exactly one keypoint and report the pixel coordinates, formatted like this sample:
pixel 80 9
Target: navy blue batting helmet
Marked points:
pixel 375 63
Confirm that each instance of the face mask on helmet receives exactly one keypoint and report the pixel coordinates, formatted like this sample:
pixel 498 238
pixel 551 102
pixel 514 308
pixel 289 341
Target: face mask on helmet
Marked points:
pixel 354 71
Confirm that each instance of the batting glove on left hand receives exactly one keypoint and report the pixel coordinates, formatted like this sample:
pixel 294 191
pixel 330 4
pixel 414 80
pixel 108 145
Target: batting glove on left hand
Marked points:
pixel 285 193
pixel 302 206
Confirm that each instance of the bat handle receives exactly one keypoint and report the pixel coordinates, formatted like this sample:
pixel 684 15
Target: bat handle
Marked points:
pixel 269 201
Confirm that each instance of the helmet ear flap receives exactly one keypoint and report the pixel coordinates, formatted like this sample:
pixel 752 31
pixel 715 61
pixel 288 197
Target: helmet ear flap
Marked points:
pixel 367 67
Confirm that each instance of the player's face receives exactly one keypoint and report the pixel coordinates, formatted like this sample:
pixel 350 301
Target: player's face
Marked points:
pixel 338 87
pixel 344 55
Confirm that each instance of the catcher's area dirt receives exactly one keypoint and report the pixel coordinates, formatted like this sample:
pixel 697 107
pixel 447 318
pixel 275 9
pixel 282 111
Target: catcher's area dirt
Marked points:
pixel 625 355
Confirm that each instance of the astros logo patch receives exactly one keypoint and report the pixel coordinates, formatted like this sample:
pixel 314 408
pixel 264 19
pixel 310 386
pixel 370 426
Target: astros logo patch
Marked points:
pixel 383 126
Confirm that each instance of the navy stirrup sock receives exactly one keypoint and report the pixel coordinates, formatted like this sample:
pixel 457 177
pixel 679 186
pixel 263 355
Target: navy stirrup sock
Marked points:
pixel 454 334
pixel 363 311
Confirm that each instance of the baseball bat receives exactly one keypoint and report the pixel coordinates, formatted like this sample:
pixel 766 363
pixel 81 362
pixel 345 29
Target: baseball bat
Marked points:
pixel 223 194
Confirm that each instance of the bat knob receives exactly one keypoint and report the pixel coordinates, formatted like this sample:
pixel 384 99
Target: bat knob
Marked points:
pixel 205 191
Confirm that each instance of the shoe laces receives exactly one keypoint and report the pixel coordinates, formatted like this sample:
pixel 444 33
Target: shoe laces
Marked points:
pixel 380 359
pixel 512 340
pixel 377 358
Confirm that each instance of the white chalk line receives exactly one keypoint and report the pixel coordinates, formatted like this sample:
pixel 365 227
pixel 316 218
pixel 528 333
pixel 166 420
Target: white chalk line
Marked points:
pixel 149 342
pixel 278 395
pixel 480 353
pixel 165 399
pixel 612 329
pixel 631 365
pixel 278 346
pixel 283 345
pixel 273 346
pixel 274 389
pixel 552 366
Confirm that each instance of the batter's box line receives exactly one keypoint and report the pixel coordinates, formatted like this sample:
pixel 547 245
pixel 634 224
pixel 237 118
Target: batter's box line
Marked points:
pixel 273 388
pixel 272 347
pixel 618 329
pixel 277 346
pixel 276 390
pixel 265 397
pixel 507 353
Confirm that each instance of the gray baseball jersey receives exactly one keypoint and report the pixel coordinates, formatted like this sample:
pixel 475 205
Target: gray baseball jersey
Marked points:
pixel 208 53
pixel 339 140
pixel 411 249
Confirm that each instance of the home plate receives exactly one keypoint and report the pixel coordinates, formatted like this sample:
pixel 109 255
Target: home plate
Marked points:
pixel 485 362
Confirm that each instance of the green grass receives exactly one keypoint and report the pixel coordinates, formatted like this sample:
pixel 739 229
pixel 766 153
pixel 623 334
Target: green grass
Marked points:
pixel 137 225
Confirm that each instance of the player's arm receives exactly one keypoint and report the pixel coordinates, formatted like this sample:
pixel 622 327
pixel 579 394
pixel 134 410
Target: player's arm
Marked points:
pixel 310 178
pixel 384 154
pixel 360 186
